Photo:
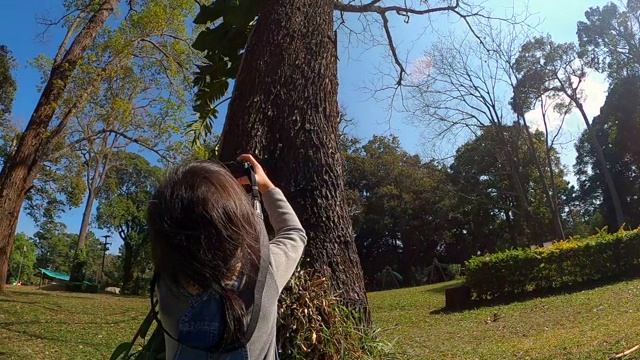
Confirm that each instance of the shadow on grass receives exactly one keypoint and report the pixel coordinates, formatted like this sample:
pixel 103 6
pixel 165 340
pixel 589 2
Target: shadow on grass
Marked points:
pixel 524 297
pixel 440 288
pixel 8 324
pixel 64 340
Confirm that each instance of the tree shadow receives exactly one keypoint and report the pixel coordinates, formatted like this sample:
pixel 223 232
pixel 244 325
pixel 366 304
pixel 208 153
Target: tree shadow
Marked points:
pixel 531 295
pixel 30 303
pixel 7 324
pixel 64 340
pixel 440 288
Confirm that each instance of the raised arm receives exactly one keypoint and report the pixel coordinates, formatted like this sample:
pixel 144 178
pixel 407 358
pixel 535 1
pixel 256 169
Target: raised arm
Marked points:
pixel 287 246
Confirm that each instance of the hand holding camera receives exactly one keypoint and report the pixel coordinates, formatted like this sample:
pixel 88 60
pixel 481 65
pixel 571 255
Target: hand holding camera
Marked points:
pixel 238 169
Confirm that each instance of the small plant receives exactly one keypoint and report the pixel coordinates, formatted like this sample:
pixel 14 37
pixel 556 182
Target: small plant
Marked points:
pixel 313 325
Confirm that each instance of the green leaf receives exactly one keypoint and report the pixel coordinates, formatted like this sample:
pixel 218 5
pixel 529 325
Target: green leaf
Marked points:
pixel 123 348
pixel 146 324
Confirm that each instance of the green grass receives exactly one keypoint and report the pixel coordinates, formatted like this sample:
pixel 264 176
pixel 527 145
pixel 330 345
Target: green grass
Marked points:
pixel 37 324
pixel 590 324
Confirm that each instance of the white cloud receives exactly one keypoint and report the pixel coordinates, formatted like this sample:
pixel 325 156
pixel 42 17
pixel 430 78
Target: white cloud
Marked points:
pixel 595 89
pixel 595 92
pixel 420 69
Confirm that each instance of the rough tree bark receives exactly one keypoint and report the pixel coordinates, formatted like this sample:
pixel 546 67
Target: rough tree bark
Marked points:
pixel 285 110
pixel 20 170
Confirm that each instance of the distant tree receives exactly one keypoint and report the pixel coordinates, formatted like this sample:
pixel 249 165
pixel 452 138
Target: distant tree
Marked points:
pixel 112 271
pixel 609 39
pixel 23 252
pixel 8 87
pixel 55 247
pixel 129 92
pixel 487 215
pixel 24 164
pixel 547 68
pixel 8 84
pixel 462 91
pixel 617 128
pixel 396 212
pixel 127 188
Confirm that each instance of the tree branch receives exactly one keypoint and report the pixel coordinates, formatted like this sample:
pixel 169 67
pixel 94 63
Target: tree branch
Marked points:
pixel 67 37
pixel 400 10
pixel 392 47
pixel 141 143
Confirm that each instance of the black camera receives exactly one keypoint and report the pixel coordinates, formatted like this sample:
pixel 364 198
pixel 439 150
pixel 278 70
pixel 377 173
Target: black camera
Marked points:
pixel 238 168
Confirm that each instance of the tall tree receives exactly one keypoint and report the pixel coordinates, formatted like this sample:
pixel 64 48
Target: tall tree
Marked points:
pixel 55 247
pixel 400 221
pixel 464 92
pixel 8 84
pixel 546 68
pixel 122 207
pixel 485 198
pixel 130 91
pixel 609 39
pixel 24 164
pixel 617 128
pixel 8 87
pixel 284 108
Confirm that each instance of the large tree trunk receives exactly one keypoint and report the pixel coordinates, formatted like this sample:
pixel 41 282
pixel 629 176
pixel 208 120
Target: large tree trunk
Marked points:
pixel 613 191
pixel 22 167
pixel 284 110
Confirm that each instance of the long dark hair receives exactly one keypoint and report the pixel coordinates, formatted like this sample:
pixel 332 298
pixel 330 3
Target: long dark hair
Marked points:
pixel 205 234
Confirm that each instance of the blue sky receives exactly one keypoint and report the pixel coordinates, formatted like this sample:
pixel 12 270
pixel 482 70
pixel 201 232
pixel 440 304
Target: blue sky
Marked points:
pixel 358 66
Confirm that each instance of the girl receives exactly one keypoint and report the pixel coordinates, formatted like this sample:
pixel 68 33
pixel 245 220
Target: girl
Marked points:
pixel 219 277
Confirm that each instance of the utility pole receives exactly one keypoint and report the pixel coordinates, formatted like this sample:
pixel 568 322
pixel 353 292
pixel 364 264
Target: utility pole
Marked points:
pixel 24 249
pixel 104 255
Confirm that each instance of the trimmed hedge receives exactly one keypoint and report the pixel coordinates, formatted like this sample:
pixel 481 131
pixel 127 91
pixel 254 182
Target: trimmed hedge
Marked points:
pixel 565 263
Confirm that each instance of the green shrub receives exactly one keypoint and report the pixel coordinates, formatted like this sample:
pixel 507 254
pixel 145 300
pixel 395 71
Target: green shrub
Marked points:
pixel 313 325
pixel 565 263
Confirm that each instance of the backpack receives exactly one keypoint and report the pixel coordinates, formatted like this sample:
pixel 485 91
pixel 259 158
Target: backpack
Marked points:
pixel 154 346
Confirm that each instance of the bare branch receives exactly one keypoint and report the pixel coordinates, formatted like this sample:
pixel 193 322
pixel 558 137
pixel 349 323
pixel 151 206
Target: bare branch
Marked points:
pixel 392 47
pixel 373 7
pixel 51 23
pixel 142 144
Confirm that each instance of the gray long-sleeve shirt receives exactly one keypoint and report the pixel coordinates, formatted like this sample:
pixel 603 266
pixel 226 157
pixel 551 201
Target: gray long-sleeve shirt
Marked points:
pixel 285 250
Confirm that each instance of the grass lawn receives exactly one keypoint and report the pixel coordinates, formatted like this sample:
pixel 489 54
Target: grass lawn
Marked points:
pixel 591 324
pixel 37 324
